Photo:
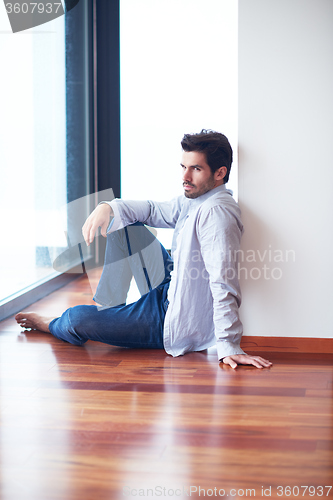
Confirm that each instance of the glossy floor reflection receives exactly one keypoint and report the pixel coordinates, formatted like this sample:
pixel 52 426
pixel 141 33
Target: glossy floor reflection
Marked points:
pixel 97 422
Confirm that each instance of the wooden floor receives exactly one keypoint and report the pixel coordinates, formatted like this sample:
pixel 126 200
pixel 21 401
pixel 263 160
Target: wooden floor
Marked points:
pixel 98 422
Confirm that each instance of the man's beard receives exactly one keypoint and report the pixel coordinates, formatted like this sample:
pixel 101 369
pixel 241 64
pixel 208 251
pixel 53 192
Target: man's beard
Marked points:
pixel 203 189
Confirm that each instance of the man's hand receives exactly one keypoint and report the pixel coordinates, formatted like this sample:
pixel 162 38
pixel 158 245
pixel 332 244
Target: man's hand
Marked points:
pixel 245 359
pixel 100 217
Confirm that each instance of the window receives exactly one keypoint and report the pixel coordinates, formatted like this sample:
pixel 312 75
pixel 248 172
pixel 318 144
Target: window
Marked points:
pixel 44 150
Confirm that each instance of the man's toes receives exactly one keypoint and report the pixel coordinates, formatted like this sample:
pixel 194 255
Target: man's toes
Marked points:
pixel 22 318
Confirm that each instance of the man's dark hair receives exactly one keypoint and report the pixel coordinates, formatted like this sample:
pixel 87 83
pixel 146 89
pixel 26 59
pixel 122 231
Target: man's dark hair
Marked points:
pixel 214 145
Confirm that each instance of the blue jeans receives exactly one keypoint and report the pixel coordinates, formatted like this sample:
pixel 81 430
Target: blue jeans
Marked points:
pixel 136 325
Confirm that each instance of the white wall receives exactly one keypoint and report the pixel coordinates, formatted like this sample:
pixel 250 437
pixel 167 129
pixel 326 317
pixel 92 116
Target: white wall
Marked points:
pixel 286 166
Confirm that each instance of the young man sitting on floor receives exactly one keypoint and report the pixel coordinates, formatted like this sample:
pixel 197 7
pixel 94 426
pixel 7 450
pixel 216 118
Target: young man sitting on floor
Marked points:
pixel 189 308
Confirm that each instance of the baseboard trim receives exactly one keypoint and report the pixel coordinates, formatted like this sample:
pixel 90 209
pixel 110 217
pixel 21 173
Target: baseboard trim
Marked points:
pixel 287 344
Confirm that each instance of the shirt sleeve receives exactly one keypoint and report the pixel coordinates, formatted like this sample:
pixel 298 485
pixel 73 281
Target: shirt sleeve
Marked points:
pixel 219 232
pixel 154 214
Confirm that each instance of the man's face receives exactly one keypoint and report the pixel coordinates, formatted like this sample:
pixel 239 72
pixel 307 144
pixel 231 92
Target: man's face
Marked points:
pixel 197 175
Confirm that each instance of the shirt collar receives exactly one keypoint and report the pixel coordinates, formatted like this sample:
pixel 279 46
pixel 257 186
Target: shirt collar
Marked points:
pixel 195 202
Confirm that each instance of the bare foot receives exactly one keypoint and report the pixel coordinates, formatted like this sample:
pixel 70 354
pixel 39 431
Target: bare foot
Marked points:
pixel 34 321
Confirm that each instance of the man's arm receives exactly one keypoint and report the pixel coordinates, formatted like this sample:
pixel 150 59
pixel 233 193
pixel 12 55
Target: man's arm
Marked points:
pixel 219 235
pixel 154 214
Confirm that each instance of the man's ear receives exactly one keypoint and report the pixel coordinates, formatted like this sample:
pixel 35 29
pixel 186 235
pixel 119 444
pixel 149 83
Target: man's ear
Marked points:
pixel 220 173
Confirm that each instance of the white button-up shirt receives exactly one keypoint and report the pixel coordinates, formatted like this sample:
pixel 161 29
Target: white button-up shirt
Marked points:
pixel 204 294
